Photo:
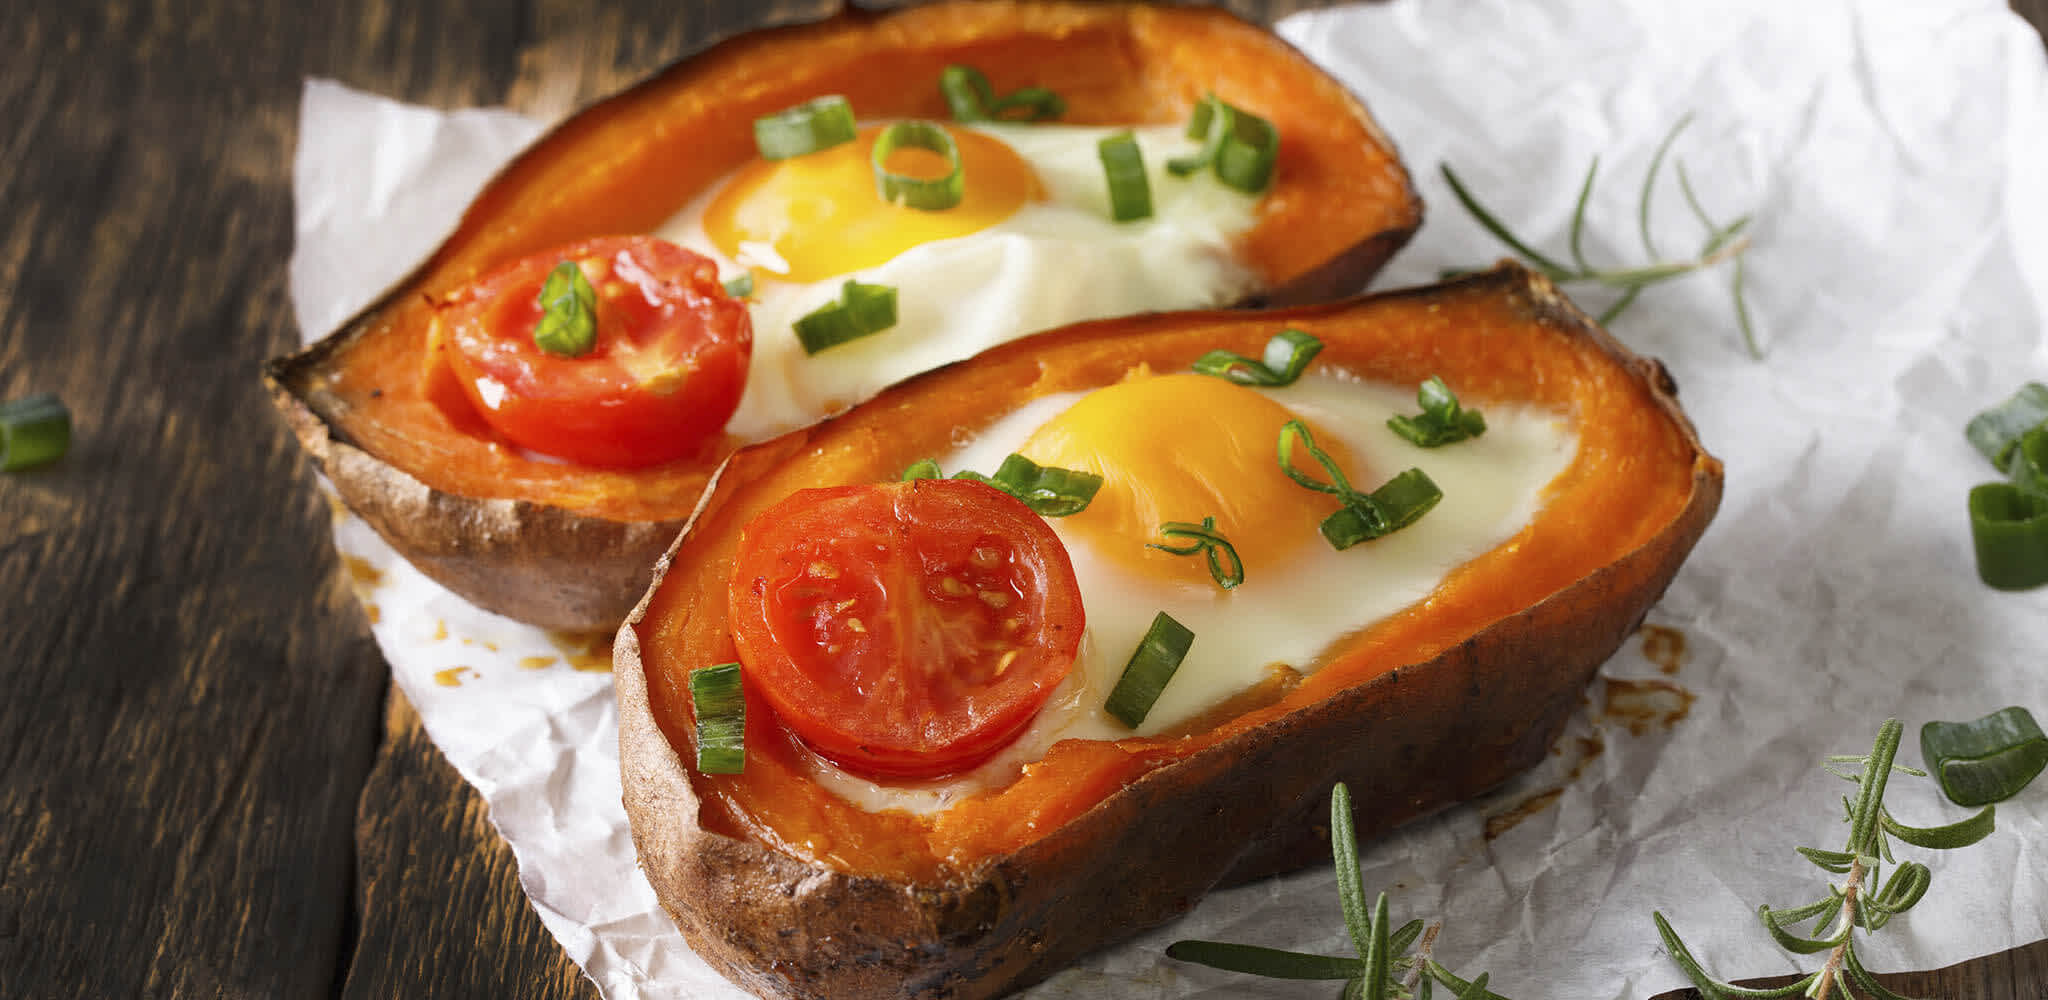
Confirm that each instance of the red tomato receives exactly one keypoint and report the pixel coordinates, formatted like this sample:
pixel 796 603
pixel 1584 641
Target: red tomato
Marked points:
pixel 904 629
pixel 665 374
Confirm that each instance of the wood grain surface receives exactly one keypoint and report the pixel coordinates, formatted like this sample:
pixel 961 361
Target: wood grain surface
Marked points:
pixel 207 786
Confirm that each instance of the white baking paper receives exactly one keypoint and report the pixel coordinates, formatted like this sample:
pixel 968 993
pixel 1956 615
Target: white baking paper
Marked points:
pixel 1895 157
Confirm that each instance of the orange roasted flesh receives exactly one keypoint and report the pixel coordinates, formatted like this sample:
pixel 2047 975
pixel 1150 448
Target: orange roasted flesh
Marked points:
pixel 1427 707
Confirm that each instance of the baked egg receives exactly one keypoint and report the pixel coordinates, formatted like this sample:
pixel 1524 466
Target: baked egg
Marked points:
pixel 1184 447
pixel 1030 246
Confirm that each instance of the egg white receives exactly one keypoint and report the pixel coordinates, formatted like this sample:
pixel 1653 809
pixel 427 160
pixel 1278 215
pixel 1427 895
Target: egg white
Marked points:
pixel 1493 485
pixel 1056 261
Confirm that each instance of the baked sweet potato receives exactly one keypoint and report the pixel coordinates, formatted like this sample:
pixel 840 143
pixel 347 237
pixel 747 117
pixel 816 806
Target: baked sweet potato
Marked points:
pixel 568 546
pixel 793 892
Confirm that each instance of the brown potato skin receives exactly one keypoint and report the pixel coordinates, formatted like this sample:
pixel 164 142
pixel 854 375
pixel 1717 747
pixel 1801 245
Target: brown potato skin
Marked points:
pixel 1408 742
pixel 540 554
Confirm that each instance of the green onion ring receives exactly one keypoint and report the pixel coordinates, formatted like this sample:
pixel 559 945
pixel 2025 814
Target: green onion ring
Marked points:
pixel 1985 760
pixel 2029 465
pixel 1997 431
pixel 1442 420
pixel 720 710
pixel 1398 503
pixel 1287 356
pixel 862 310
pixel 971 98
pixel 34 430
pixel 1241 146
pixel 1123 170
pixel 819 123
pixel 927 194
pixel 1208 541
pixel 2009 529
pixel 1151 666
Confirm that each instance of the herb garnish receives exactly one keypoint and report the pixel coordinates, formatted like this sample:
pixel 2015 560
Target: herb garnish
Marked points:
pixel 1381 952
pixel 1441 422
pixel 1723 243
pixel 1863 899
pixel 1205 539
pixel 34 430
pixel 1398 503
pixel 1287 356
pixel 1985 760
pixel 568 313
pixel 1048 490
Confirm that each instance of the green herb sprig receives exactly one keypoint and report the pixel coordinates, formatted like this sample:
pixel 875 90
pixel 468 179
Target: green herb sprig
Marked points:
pixel 1383 970
pixel 1724 243
pixel 1863 899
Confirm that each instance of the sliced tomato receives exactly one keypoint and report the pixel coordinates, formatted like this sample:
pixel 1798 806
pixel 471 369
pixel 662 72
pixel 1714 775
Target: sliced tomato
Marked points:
pixel 665 374
pixel 904 629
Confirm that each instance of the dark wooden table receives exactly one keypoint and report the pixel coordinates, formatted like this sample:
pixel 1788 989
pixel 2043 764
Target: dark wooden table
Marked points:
pixel 207 784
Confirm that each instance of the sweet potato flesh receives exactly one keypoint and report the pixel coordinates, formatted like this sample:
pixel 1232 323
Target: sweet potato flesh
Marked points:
pixel 1633 475
pixel 629 164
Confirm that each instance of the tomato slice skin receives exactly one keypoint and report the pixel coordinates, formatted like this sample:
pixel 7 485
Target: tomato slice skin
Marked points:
pixel 665 375
pixel 904 630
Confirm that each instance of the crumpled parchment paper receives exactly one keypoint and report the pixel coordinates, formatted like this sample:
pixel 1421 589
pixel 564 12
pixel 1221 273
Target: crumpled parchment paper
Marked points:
pixel 1895 157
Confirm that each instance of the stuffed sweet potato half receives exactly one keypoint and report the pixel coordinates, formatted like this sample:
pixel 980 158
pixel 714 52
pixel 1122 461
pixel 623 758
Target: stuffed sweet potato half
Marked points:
pixel 554 519
pixel 839 869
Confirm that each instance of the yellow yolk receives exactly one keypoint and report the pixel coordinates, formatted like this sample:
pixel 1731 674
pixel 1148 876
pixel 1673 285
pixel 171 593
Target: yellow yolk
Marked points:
pixel 820 215
pixel 1184 447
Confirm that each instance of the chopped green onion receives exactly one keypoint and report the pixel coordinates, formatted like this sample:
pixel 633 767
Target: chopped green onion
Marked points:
pixel 568 318
pixel 973 99
pixel 1365 516
pixel 1208 541
pixel 928 194
pixel 1442 420
pixel 1985 760
pixel 720 709
pixel 819 123
pixel 1997 431
pixel 862 310
pixel 1239 145
pixel 2009 527
pixel 1152 665
pixel 741 287
pixel 1123 169
pixel 1048 490
pixel 1399 503
pixel 1287 356
pixel 2029 465
pixel 34 430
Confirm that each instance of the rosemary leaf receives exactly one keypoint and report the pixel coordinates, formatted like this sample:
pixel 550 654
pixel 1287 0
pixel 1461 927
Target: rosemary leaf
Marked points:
pixel 1550 268
pixel 1650 183
pixel 1862 977
pixel 1350 886
pixel 1722 242
pixel 1272 963
pixel 1961 833
pixel 1794 943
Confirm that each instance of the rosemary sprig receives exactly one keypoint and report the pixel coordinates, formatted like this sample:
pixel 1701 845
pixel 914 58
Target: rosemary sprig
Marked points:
pixel 1863 900
pixel 1383 969
pixel 1724 243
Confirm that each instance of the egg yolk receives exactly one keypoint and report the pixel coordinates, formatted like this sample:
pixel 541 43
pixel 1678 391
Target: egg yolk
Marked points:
pixel 820 214
pixel 1184 447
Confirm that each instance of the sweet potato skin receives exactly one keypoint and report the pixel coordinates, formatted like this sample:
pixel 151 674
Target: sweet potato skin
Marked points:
pixel 1409 741
pixel 571 549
